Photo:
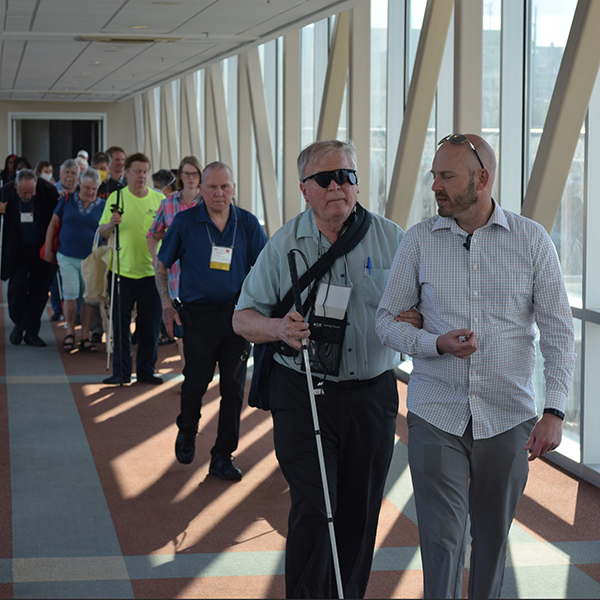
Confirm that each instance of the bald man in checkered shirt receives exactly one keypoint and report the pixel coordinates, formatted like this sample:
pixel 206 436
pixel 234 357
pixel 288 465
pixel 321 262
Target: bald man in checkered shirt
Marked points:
pixel 482 278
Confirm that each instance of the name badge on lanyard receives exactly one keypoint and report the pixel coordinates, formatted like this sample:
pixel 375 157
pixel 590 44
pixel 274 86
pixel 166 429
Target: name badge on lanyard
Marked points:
pixel 26 217
pixel 220 258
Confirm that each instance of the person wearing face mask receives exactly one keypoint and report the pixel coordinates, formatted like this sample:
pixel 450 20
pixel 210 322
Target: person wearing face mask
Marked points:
pixel 27 204
pixel 44 170
pixel 100 162
pixel 165 182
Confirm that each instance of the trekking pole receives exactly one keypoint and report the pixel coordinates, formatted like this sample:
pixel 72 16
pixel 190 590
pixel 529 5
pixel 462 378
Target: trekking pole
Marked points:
pixel 315 416
pixel 109 333
pixel 119 320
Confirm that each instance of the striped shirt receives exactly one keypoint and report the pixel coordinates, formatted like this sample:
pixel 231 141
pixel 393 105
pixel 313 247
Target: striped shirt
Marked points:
pixel 169 207
pixel 509 281
pixel 365 268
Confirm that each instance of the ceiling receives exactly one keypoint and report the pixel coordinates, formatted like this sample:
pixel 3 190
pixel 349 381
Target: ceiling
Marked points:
pixel 109 50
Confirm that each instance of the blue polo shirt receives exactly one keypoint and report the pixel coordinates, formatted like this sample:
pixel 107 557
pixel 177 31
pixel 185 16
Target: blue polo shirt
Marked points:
pixel 190 238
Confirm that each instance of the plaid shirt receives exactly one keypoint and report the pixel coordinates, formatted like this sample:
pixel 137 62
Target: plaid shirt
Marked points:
pixel 509 280
pixel 169 207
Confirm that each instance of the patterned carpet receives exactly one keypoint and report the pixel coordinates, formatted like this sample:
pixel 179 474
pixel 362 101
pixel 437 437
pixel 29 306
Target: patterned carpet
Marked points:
pixel 94 505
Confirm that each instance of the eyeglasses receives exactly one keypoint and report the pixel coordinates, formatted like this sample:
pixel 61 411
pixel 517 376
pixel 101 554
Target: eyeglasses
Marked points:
pixel 190 174
pixel 459 138
pixel 340 176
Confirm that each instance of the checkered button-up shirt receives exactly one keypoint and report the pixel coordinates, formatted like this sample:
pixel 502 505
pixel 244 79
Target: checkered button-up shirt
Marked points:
pixel 509 280
pixel 169 207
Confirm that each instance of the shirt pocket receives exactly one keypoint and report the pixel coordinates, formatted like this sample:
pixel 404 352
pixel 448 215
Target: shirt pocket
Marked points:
pixel 374 285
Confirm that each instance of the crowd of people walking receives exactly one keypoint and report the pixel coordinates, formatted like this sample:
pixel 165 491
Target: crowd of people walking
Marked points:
pixel 460 292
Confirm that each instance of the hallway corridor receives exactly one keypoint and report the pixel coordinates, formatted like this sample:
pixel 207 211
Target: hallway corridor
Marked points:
pixel 94 505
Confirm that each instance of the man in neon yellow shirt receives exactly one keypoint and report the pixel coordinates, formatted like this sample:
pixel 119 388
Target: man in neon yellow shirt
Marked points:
pixel 137 206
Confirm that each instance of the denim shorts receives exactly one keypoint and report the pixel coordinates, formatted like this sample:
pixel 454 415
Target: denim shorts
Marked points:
pixel 73 285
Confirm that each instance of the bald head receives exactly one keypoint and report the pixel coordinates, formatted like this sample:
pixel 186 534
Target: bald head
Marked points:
pixel 466 154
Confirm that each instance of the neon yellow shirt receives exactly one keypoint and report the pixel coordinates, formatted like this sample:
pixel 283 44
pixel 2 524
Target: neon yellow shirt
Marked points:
pixel 138 216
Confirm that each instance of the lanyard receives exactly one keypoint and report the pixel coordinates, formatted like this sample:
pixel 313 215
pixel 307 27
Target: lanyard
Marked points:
pixel 234 230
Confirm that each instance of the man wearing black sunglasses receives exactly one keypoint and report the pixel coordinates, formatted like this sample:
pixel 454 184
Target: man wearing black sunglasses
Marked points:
pixel 358 404
pixel 482 277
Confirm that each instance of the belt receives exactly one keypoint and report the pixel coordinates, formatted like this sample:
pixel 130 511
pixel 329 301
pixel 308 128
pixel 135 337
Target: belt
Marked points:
pixel 346 384
pixel 197 307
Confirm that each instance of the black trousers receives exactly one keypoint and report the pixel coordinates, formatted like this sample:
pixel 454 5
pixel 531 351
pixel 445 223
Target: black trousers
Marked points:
pixel 357 424
pixel 209 339
pixel 149 315
pixel 28 289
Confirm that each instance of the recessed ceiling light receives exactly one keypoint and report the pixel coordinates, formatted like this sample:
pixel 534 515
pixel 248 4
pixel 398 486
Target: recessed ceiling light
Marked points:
pixel 140 26
pixel 95 63
pixel 167 3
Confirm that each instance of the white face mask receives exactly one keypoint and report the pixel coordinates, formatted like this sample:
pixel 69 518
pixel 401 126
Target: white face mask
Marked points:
pixel 46 176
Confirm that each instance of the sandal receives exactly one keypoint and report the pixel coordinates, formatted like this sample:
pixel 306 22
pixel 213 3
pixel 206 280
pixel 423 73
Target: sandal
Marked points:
pixel 68 343
pixel 87 346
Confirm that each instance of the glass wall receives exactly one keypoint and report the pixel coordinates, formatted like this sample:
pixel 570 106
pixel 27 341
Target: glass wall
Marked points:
pixel 548 30
pixel 379 38
pixel 423 205
pixel 490 100
pixel 520 67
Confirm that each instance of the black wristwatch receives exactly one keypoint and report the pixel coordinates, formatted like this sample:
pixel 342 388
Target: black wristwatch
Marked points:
pixel 555 412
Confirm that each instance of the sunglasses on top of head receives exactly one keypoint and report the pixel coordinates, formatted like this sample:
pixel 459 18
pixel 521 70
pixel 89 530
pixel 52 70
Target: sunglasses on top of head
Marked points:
pixel 459 138
pixel 340 176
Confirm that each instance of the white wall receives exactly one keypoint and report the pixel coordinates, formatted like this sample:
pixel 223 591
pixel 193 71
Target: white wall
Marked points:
pixel 120 119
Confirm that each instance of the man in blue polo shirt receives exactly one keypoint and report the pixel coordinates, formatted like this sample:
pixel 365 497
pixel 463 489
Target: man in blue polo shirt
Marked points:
pixel 216 243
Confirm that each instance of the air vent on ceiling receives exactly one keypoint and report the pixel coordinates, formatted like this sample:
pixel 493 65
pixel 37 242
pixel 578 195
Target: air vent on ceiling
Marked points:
pixel 115 39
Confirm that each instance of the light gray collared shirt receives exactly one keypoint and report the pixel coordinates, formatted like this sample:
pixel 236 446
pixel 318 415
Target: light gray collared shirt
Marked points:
pixel 365 268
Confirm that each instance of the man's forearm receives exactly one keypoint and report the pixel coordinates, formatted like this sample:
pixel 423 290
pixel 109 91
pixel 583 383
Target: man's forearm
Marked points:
pixel 255 327
pixel 161 277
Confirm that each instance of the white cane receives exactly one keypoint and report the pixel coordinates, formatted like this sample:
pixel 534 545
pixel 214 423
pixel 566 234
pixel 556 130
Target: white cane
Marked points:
pixel 315 416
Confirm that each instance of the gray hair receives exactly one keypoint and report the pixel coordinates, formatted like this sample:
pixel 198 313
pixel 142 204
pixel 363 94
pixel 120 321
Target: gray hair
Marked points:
pixel 217 166
pixel 92 175
pixel 25 175
pixel 323 148
pixel 69 164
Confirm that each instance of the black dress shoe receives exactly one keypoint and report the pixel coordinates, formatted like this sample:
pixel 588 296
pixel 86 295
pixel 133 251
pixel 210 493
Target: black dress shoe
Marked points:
pixel 34 340
pixel 96 338
pixel 222 466
pixel 116 380
pixel 16 335
pixel 185 446
pixel 150 379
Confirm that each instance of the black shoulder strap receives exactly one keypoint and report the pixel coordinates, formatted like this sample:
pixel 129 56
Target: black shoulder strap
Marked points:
pixel 357 225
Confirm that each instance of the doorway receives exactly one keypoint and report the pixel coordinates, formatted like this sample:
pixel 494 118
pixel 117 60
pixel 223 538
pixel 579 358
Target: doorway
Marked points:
pixel 56 137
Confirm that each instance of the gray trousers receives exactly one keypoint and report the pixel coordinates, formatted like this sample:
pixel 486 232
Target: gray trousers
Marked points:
pixel 458 476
